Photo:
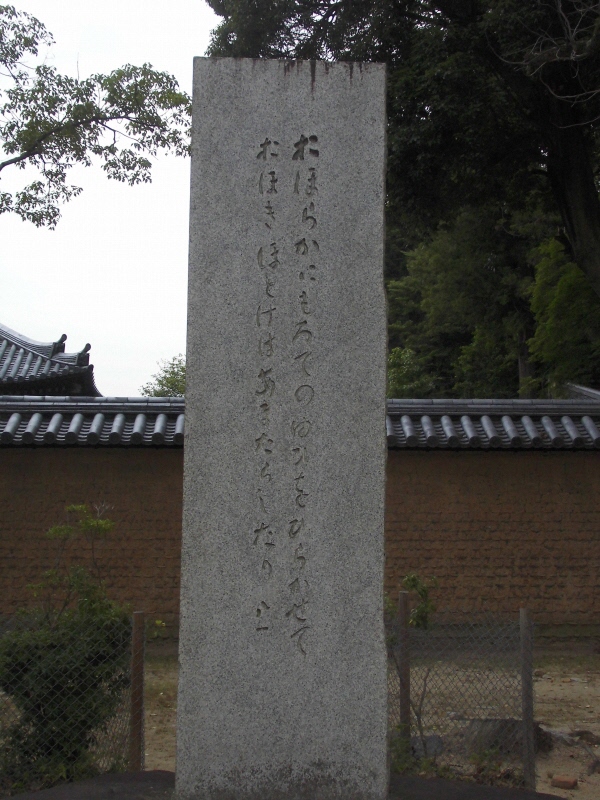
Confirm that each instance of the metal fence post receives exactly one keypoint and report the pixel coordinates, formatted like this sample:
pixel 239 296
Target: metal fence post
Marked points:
pixel 527 697
pixel 404 664
pixel 136 720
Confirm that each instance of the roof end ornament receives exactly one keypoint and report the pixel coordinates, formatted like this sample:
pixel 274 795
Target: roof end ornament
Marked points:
pixel 83 358
pixel 59 346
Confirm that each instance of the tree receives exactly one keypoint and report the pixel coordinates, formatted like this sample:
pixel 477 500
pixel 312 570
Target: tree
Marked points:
pixel 406 376
pixel 169 381
pixel 460 318
pixel 50 122
pixel 64 670
pixel 483 311
pixel 566 344
pixel 489 100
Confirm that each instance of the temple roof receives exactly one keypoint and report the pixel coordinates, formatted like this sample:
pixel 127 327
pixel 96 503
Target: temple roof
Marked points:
pixel 43 368
pixel 466 425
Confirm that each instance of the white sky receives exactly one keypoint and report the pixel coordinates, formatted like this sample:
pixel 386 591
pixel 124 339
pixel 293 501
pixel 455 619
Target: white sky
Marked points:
pixel 114 271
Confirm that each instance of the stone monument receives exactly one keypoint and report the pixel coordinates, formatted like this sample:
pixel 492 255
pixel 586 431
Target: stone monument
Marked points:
pixel 283 689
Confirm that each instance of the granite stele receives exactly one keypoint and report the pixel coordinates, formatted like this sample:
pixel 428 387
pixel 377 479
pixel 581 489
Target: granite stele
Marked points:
pixel 282 691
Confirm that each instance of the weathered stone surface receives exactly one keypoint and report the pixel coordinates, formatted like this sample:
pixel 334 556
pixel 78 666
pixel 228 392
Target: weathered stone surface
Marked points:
pixel 283 669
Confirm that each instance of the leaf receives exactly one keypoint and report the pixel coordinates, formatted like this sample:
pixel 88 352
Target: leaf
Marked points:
pixel 52 122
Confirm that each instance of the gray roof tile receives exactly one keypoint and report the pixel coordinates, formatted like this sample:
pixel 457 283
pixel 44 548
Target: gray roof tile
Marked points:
pixel 91 421
pixel 49 421
pixel 26 364
pixel 495 424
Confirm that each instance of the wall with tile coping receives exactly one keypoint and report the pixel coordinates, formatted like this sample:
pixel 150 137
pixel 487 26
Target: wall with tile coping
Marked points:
pixel 497 529
pixel 140 557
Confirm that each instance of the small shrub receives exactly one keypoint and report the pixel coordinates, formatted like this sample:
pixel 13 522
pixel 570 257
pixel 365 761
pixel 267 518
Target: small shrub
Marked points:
pixel 419 616
pixel 402 759
pixel 489 769
pixel 64 666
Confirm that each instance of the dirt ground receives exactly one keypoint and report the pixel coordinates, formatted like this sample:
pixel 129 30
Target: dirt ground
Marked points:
pixel 160 702
pixel 567 702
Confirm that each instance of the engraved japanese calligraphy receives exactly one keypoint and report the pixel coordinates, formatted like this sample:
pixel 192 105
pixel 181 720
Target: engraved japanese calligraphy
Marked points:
pixel 282 649
pixel 286 263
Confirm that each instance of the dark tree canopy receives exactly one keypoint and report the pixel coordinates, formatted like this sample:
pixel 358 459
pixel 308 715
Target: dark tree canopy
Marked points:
pixel 493 216
pixel 487 99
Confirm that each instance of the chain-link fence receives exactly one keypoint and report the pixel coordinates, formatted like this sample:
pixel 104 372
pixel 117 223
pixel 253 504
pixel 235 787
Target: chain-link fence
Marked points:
pixel 71 698
pixel 460 697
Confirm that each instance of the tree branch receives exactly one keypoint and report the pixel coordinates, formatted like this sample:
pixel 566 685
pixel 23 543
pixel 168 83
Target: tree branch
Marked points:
pixel 36 149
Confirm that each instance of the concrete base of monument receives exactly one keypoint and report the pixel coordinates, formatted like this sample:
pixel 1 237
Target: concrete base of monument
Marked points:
pixel 160 785
pixel 317 780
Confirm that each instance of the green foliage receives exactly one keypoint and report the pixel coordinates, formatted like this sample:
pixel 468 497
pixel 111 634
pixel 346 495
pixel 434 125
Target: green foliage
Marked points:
pixel 486 310
pixel 420 616
pixel 169 381
pixel 80 522
pixel 155 630
pixel 402 760
pixel 488 365
pixel 51 122
pixel 421 613
pixel 489 769
pixel 64 665
pixel 405 375
pixel 390 609
pixel 493 148
pixel 459 317
pixel 471 88
pixel 566 342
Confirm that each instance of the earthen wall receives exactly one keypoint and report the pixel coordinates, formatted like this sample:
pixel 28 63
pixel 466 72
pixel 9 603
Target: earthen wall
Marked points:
pixel 498 530
pixel 142 489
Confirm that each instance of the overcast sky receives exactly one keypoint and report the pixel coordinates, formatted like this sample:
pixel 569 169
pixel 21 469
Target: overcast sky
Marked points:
pixel 114 271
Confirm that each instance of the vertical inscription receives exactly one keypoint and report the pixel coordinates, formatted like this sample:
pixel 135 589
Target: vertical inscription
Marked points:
pixel 287 337
pixel 283 694
pixel 264 535
pixel 304 341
